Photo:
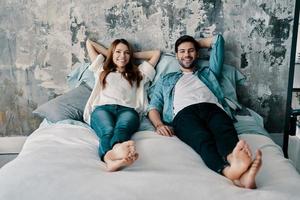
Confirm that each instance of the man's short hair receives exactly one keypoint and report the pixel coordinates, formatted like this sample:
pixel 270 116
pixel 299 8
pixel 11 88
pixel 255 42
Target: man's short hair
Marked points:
pixel 186 38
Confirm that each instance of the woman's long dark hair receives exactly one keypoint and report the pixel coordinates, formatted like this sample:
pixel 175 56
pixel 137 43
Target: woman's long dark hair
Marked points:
pixel 131 72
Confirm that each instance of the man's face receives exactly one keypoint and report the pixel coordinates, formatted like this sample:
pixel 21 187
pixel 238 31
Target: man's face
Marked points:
pixel 186 55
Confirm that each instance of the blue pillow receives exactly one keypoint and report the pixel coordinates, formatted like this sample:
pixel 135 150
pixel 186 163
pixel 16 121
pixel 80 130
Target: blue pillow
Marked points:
pixel 81 74
pixel 249 122
pixel 166 64
pixel 230 79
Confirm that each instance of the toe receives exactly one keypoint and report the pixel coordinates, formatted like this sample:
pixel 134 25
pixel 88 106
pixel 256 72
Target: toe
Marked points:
pixel 136 156
pixel 258 154
pixel 258 157
pixel 248 150
pixel 131 150
pixel 240 145
pixel 129 143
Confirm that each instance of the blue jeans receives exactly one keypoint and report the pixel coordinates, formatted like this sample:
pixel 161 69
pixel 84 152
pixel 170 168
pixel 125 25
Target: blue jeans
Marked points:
pixel 113 124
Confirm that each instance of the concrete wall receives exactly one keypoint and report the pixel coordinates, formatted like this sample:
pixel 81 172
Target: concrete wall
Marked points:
pixel 42 40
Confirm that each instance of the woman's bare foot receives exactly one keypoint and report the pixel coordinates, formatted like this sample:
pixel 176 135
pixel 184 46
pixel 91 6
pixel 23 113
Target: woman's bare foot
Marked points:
pixel 239 160
pixel 247 180
pixel 123 150
pixel 121 155
pixel 115 165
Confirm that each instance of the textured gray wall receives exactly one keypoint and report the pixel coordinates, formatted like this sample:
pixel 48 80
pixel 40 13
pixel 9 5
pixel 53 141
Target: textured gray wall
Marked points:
pixel 42 40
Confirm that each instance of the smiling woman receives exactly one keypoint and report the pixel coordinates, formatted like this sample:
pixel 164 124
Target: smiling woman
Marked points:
pixel 113 107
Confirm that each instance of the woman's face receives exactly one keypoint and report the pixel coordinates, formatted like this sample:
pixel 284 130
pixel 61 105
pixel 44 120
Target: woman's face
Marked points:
pixel 121 56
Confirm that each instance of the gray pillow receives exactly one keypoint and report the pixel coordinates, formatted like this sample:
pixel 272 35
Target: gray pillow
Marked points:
pixel 67 106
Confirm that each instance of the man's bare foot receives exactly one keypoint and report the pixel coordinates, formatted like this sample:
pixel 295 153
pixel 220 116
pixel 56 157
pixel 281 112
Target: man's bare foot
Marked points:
pixel 247 180
pixel 115 165
pixel 123 150
pixel 239 160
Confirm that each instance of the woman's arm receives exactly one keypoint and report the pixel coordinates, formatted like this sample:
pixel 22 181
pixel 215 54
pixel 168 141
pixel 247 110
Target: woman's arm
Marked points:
pixel 151 56
pixel 94 49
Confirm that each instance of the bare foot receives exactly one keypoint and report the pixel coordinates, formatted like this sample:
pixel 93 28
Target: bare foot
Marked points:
pixel 247 180
pixel 239 160
pixel 123 150
pixel 115 165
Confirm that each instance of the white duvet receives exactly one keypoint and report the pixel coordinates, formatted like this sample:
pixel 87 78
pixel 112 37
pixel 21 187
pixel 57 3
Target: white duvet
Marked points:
pixel 61 162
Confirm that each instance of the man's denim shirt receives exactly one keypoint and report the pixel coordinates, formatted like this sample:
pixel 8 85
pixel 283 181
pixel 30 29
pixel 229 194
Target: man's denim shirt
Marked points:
pixel 163 96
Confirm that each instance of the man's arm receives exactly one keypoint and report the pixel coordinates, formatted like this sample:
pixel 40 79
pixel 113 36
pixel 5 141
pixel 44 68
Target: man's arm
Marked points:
pixel 216 58
pixel 160 127
pixel 205 42
pixel 155 109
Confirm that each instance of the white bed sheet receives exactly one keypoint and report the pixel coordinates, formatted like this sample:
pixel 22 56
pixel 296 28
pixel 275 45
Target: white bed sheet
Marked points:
pixel 61 162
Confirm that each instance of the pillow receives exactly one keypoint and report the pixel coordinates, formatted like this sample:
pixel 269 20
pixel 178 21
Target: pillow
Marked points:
pixel 80 74
pixel 166 64
pixel 67 106
pixel 249 122
pixel 230 77
pixel 229 80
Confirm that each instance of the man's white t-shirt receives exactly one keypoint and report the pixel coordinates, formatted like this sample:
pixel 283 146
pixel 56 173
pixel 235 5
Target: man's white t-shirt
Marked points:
pixel 190 90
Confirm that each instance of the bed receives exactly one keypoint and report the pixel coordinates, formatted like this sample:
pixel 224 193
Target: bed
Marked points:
pixel 60 160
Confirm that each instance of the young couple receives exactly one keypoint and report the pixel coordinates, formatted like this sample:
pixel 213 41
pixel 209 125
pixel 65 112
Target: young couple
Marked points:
pixel 187 103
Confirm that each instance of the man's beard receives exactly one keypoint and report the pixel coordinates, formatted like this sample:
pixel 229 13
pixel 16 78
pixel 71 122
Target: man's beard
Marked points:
pixel 192 65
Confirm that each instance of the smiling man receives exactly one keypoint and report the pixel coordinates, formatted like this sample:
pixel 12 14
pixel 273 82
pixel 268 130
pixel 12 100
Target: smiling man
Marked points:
pixel 190 104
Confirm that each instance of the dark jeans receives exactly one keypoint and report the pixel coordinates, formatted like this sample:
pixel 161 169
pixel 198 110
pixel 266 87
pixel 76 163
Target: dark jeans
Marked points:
pixel 209 131
pixel 113 124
